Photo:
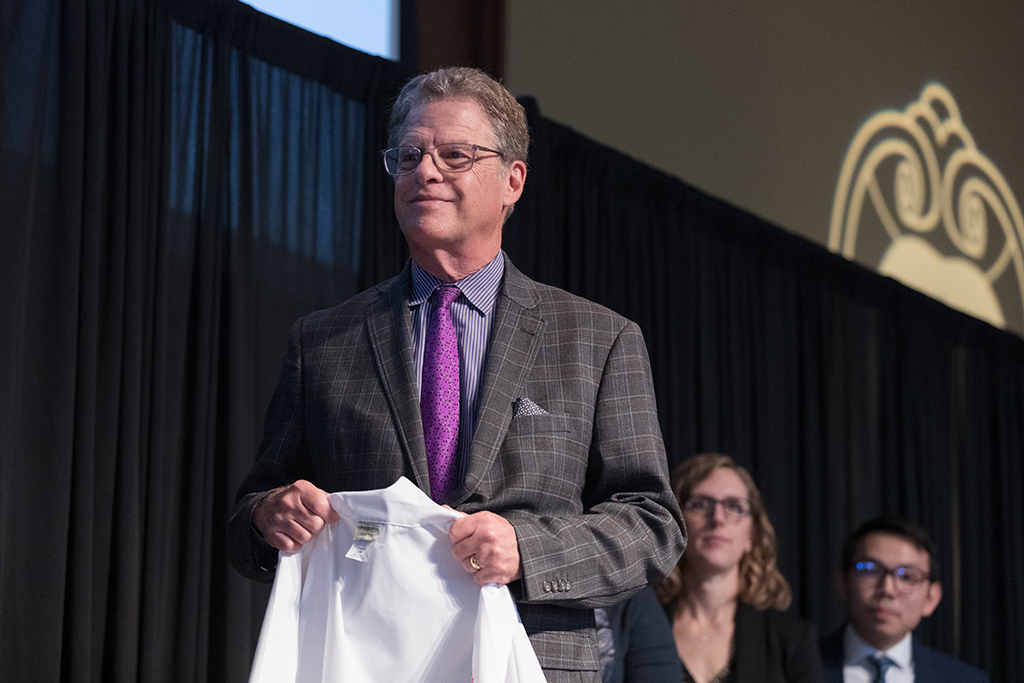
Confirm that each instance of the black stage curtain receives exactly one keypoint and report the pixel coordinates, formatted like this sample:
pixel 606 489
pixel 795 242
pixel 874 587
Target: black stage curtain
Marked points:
pixel 845 393
pixel 180 180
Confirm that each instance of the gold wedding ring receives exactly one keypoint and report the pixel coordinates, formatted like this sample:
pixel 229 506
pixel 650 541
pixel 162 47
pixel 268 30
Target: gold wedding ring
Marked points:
pixel 473 564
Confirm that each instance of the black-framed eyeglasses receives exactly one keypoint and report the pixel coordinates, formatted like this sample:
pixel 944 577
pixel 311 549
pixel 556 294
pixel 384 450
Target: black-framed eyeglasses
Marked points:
pixel 905 578
pixel 455 157
pixel 734 509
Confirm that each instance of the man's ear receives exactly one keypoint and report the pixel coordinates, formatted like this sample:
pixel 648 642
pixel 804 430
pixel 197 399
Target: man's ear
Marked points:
pixel 516 180
pixel 932 599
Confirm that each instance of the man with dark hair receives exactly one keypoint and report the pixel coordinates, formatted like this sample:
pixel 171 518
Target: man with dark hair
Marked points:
pixel 889 581
pixel 527 408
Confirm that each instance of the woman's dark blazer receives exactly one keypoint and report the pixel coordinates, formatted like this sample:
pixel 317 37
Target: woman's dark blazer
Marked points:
pixel 771 646
pixel 775 647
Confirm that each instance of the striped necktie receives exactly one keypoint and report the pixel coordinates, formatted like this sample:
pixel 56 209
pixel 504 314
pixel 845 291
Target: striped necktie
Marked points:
pixel 881 665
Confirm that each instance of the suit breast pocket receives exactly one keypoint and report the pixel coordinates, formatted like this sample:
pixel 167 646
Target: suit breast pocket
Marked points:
pixel 539 424
pixel 546 455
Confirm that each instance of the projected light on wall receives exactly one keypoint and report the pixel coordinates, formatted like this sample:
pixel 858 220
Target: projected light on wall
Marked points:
pixel 950 223
pixel 370 26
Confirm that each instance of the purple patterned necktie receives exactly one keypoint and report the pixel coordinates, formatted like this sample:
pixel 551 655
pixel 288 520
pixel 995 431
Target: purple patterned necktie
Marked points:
pixel 439 395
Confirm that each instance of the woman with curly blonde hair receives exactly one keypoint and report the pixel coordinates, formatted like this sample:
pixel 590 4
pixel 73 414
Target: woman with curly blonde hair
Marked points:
pixel 725 598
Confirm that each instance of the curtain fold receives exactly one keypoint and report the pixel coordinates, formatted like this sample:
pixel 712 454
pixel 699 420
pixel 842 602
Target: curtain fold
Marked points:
pixel 845 393
pixel 172 201
pixel 181 179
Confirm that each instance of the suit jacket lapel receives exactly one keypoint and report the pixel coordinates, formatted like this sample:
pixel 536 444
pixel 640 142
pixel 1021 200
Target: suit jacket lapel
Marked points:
pixel 389 327
pixel 515 340
pixel 924 663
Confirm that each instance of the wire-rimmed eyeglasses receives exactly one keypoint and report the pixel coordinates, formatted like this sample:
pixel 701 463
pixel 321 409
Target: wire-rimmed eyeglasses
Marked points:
pixel 455 157
pixel 906 578
pixel 734 509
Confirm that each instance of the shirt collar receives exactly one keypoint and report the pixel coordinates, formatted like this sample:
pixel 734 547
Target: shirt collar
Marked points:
pixel 856 651
pixel 480 288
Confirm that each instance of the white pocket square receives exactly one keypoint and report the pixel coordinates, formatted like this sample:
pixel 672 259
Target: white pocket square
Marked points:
pixel 524 407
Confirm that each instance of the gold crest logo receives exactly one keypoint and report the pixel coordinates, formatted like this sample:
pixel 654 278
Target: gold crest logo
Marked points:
pixel 942 217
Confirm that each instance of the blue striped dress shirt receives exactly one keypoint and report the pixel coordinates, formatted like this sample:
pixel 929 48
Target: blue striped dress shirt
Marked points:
pixel 471 315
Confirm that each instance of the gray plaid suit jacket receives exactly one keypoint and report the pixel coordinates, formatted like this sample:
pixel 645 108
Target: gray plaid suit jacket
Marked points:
pixel 585 486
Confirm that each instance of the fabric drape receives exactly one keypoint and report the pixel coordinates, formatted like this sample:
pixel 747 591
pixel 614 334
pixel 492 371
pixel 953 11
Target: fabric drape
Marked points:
pixel 171 201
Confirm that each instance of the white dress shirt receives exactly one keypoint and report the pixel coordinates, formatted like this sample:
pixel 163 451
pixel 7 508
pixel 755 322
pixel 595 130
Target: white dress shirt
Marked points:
pixel 379 596
pixel 857 668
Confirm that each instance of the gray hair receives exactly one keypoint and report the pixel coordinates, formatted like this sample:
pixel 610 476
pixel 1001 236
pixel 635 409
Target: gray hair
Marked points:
pixel 506 115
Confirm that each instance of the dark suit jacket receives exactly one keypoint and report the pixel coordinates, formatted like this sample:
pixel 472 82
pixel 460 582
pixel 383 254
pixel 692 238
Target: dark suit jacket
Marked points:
pixel 930 666
pixel 774 646
pixel 585 486
pixel 641 649
pixel 771 646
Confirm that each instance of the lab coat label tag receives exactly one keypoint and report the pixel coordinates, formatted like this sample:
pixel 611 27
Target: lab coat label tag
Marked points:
pixel 366 534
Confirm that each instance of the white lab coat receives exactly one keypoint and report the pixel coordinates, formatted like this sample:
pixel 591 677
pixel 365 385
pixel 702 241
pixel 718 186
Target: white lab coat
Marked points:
pixel 378 596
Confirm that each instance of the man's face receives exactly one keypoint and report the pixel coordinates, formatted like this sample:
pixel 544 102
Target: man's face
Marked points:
pixel 883 613
pixel 456 213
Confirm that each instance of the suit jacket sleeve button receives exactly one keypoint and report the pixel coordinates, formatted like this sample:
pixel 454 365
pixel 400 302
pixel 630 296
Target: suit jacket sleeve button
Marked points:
pixel 547 586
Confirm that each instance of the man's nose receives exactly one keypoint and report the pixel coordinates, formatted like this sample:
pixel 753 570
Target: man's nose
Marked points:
pixel 887 584
pixel 427 170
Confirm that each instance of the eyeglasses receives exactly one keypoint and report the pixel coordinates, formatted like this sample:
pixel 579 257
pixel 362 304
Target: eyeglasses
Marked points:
pixel 905 578
pixel 734 509
pixel 455 157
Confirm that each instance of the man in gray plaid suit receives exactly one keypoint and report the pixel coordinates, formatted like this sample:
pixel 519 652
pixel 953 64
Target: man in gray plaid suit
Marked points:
pixel 561 469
